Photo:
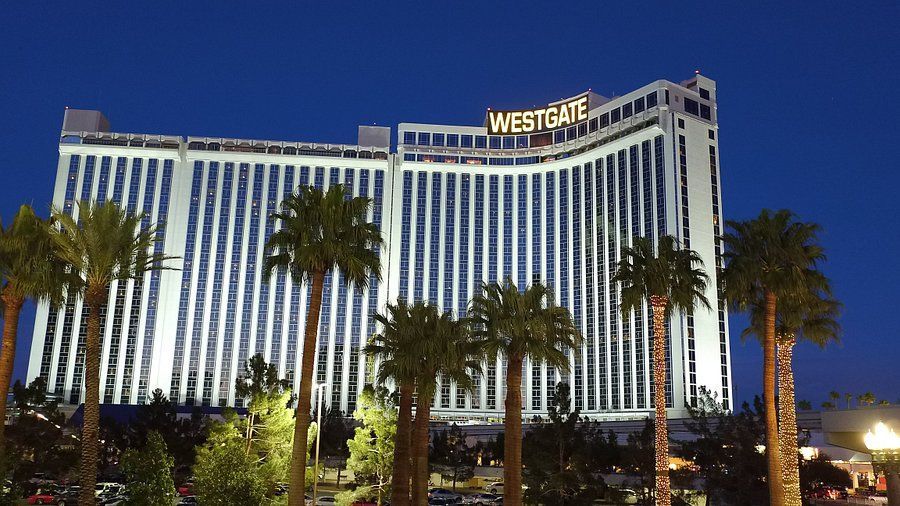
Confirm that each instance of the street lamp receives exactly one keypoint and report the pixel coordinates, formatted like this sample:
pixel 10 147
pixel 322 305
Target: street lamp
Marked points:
pixel 319 389
pixel 884 445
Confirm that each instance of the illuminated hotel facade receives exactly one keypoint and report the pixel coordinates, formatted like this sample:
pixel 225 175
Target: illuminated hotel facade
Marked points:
pixel 549 194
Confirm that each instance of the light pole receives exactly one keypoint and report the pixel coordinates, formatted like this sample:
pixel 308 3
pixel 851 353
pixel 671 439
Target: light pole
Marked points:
pixel 319 388
pixel 884 444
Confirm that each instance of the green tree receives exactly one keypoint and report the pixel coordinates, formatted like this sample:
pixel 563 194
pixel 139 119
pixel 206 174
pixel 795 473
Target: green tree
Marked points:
pixel 804 405
pixel 828 405
pixel 105 243
pixel 767 259
pixel 812 318
pixel 517 325
pixel 372 447
pixel 263 390
pixel 866 399
pixel 148 473
pixel 452 457
pixel 320 232
pixel 225 474
pixel 670 279
pixel 27 271
pixel 559 459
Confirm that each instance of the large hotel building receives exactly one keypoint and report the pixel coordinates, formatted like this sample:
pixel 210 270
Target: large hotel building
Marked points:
pixel 549 194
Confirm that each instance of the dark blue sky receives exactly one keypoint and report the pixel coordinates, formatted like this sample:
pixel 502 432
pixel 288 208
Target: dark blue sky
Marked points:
pixel 807 106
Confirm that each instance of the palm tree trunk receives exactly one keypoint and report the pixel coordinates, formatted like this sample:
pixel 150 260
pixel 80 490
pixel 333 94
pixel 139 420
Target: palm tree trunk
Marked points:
pixel 787 430
pixel 420 450
pixel 661 426
pixel 400 476
pixel 301 425
pixel 512 426
pixel 776 486
pixel 13 305
pixel 90 430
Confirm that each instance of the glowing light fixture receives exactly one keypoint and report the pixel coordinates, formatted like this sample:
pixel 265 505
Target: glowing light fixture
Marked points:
pixel 884 438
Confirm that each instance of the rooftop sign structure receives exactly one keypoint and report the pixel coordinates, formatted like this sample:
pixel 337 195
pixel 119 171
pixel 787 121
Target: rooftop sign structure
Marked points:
pixel 557 115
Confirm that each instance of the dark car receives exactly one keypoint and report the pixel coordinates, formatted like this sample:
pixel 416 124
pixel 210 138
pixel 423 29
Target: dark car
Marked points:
pixel 191 499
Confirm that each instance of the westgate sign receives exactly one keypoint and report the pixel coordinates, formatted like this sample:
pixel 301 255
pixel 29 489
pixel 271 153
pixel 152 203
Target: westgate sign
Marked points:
pixel 529 121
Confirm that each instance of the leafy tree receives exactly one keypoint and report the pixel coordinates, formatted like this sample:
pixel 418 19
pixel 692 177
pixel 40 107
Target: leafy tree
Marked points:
pixel 804 405
pixel 37 441
pixel 182 437
pixel 452 457
pixel 336 430
pixel 725 452
pixel 558 457
pixel 320 231
pixel 828 405
pixel 225 474
pixel 517 325
pixel 820 471
pixel 768 259
pixel 372 447
pixel 148 473
pixel 670 279
pixel 27 271
pixel 866 399
pixel 104 244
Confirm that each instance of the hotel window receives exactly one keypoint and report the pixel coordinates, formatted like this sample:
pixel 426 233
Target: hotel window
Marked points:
pixel 626 111
pixel 495 142
pixel 680 123
pixel 522 141
pixel 582 129
pixel 712 135
pixel 465 141
pixel 409 137
pixel 639 105
pixel 691 106
pixel 559 136
pixel 704 94
pixel 424 138
pixel 509 142
pixel 437 139
pixel 592 125
pixel 604 120
pixel 705 111
pixel 614 115
pixel 571 133
pixel 452 140
pixel 651 100
pixel 480 142
pixel 409 157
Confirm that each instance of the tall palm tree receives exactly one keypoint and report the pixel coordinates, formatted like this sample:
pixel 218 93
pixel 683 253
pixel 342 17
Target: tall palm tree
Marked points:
pixel 670 279
pixel 104 244
pixel 446 350
pixel 517 325
pixel 835 396
pixel 848 397
pixel 767 259
pixel 866 399
pixel 27 270
pixel 811 317
pixel 395 350
pixel 320 231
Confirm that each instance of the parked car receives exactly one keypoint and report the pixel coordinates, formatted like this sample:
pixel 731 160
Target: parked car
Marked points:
pixel 186 488
pixel 43 497
pixel 480 499
pixel 442 501
pixel 443 493
pixel 69 497
pixel 494 488
pixel 188 500
pixel 325 500
pixel 107 489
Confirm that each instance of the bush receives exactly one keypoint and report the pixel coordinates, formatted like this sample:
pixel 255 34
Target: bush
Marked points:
pixel 148 473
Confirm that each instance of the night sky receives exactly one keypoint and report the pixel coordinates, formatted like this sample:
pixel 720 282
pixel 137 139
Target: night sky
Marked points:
pixel 807 107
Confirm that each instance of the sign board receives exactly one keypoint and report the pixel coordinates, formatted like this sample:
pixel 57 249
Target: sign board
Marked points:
pixel 529 121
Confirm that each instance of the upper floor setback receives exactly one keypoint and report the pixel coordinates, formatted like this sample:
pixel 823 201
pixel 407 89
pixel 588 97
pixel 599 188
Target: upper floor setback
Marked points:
pixel 560 130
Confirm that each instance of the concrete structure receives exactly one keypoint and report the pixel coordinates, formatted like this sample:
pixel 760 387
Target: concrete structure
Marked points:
pixel 551 194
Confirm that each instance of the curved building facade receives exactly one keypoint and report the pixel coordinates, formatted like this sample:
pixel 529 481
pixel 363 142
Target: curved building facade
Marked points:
pixel 548 195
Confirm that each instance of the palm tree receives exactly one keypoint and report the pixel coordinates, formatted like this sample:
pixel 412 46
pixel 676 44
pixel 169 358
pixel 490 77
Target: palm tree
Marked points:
pixel 27 270
pixel 828 405
pixel 848 397
pixel 517 325
pixel 835 396
pixel 104 244
pixel 395 350
pixel 446 350
pixel 320 231
pixel 767 259
pixel 812 318
pixel 670 279
pixel 804 405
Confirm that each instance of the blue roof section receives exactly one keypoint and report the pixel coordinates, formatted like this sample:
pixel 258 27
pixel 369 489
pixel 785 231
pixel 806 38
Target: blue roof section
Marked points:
pixel 124 413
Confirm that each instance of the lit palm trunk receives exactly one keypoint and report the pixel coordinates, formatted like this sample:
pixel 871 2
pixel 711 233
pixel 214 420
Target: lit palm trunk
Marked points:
pixel 90 432
pixel 512 426
pixel 13 305
pixel 400 476
pixel 420 439
pixel 773 455
pixel 661 427
pixel 787 430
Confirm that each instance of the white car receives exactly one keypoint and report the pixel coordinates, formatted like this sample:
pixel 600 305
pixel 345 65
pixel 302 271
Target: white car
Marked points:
pixel 326 500
pixel 494 488
pixel 107 489
pixel 481 499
